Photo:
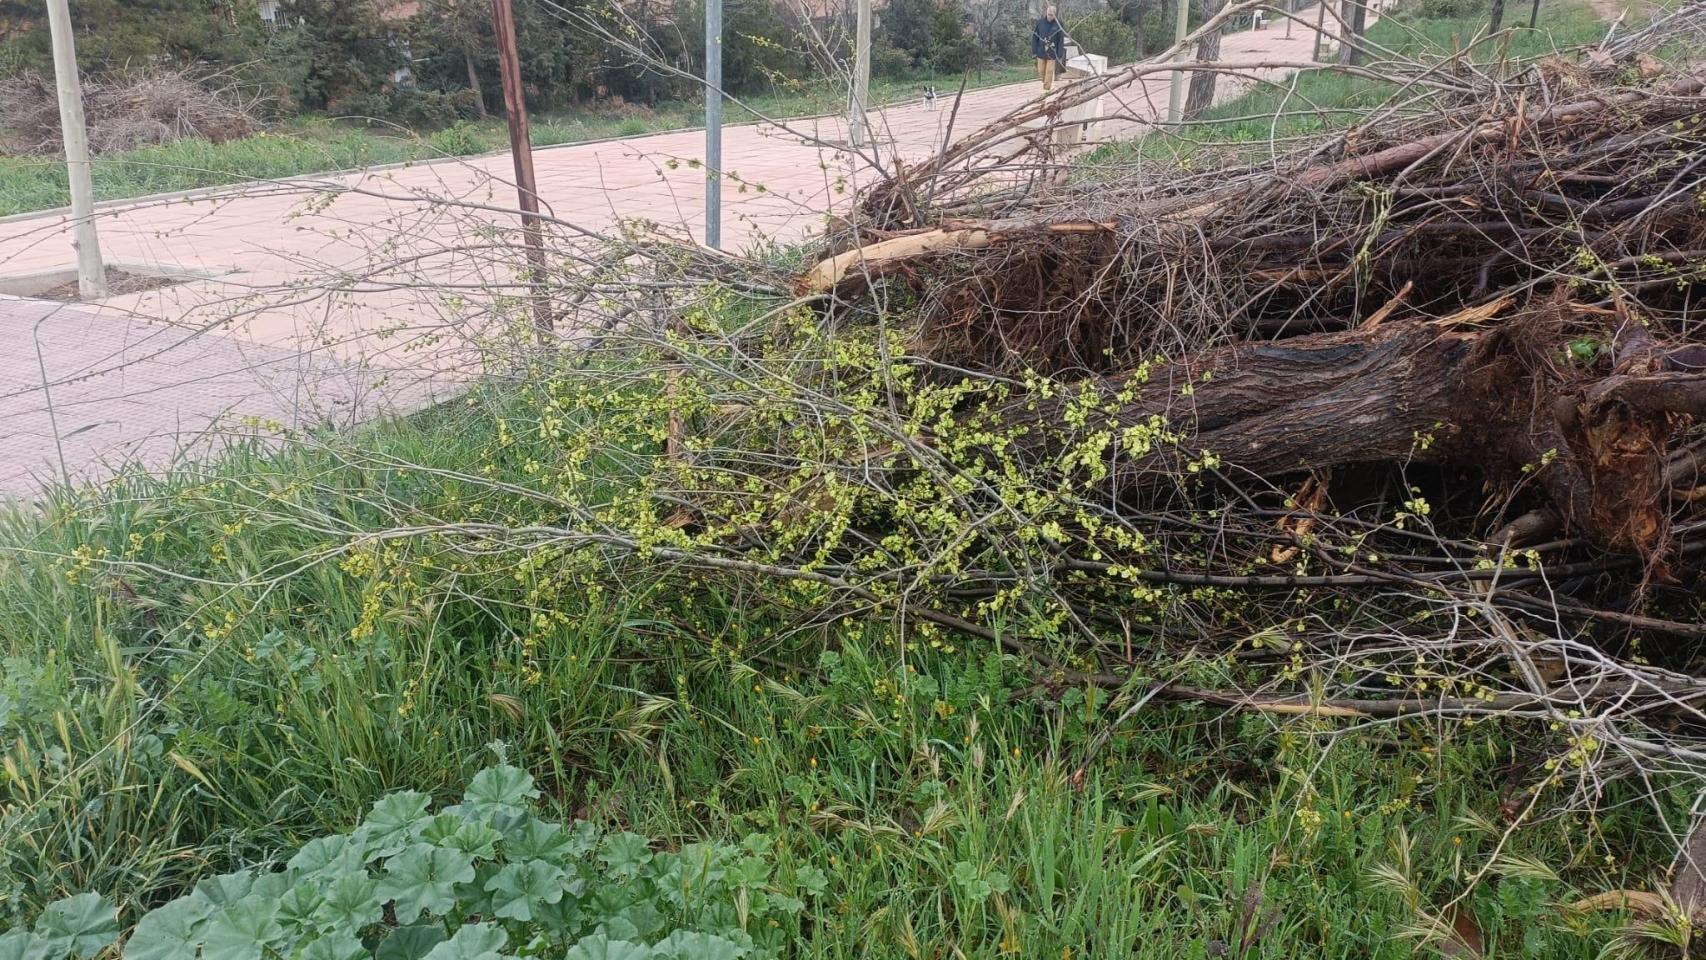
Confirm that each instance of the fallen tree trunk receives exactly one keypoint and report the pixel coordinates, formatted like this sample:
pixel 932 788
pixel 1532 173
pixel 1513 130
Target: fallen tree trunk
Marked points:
pixel 1399 393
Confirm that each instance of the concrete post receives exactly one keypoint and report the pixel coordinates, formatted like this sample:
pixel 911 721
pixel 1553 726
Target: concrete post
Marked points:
pixel 861 76
pixel 91 272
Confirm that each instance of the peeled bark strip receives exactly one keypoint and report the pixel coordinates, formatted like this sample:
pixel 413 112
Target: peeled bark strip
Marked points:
pixel 826 275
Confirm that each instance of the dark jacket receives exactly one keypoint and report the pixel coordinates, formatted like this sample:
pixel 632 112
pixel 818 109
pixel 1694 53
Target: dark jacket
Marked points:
pixel 1048 40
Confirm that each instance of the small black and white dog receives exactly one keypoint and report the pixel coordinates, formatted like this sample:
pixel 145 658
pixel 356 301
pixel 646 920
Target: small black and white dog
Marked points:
pixel 930 96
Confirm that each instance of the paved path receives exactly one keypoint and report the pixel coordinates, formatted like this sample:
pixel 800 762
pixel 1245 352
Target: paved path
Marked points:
pixel 122 391
pixel 394 271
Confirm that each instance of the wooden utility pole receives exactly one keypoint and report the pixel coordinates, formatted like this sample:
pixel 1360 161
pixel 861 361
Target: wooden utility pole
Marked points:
pixel 91 272
pixel 1176 96
pixel 713 123
pixel 521 149
pixel 861 75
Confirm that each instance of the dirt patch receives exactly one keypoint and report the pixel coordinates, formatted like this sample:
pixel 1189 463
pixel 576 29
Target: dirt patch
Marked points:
pixel 119 283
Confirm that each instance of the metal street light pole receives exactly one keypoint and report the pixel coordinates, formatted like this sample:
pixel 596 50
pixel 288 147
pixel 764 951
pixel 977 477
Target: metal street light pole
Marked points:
pixel 861 75
pixel 521 150
pixel 713 123
pixel 91 272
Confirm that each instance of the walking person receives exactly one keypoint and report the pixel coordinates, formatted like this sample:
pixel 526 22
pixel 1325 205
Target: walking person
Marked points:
pixel 1048 45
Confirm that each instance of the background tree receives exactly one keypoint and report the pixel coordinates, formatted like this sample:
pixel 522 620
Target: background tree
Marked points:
pixel 1098 31
pixel 1200 95
pixel 352 51
pixel 1353 17
pixel 226 36
pixel 932 34
pixel 461 30
pixel 999 27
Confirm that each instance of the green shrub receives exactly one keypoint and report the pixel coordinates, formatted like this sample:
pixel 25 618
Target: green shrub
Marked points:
pixel 463 884
pixel 411 107
pixel 1447 9
pixel 461 140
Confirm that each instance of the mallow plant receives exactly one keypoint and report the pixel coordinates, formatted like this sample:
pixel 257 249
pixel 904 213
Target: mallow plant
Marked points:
pixel 485 879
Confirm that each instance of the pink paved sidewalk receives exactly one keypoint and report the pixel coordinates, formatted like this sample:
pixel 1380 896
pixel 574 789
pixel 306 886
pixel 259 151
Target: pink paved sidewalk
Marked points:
pixel 123 392
pixel 396 269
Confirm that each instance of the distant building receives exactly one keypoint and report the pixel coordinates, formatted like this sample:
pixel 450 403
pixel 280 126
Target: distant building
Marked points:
pixel 272 11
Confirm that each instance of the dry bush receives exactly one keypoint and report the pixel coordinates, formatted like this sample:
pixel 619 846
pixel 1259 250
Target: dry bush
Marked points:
pixel 124 111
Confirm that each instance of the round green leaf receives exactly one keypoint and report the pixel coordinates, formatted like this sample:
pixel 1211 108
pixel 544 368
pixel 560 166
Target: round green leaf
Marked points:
pixel 395 821
pixel 600 947
pixel 242 931
pixel 84 925
pixel 171 932
pixel 498 790
pixel 521 887
pixel 413 942
pixel 423 878
pixel 351 903
pixel 338 946
pixel 476 941
pixel 23 945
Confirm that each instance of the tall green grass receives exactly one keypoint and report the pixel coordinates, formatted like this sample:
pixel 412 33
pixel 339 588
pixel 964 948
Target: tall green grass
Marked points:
pixel 161 724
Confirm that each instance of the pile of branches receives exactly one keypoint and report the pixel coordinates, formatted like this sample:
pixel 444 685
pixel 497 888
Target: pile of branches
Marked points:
pixel 1431 389
pixel 125 111
pixel 1409 421
pixel 1521 289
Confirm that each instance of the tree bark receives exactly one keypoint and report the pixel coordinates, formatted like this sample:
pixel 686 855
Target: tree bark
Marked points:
pixel 1353 17
pixel 1410 393
pixel 474 83
pixel 1310 402
pixel 1201 93
pixel 1497 19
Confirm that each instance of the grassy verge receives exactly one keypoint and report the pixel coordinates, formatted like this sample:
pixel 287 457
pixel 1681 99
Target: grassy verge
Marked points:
pixel 306 147
pixel 1314 101
pixel 160 728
